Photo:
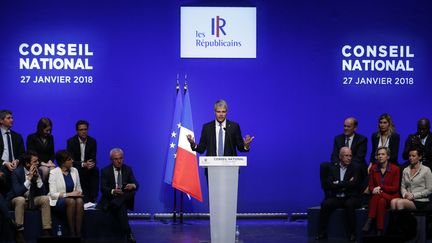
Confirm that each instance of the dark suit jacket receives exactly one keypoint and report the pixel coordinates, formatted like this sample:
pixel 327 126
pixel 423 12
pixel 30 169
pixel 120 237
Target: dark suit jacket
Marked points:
pixel 233 139
pixel 4 184
pixel 393 146
pixel 73 146
pixel 427 149
pixel 358 148
pixel 18 179
pixel 17 146
pixel 18 151
pixel 108 183
pixel 45 151
pixel 350 185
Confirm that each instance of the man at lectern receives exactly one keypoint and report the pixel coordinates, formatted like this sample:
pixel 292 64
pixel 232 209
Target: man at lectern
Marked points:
pixel 221 137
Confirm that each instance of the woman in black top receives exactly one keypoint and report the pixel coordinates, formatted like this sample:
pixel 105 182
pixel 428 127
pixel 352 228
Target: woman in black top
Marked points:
pixel 386 136
pixel 42 142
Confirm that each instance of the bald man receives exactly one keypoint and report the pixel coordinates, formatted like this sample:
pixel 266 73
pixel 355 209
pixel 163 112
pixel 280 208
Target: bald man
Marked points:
pixel 351 139
pixel 343 184
pixel 422 139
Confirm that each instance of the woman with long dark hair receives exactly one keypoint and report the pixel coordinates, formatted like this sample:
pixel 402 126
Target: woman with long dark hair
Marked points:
pixel 42 142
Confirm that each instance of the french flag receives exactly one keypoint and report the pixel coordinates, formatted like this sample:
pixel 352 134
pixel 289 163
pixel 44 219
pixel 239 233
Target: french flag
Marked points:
pixel 186 176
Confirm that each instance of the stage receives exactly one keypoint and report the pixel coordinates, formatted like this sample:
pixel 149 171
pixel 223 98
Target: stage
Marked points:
pixel 198 230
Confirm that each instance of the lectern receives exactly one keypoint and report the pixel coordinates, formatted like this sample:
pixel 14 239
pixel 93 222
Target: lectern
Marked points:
pixel 223 184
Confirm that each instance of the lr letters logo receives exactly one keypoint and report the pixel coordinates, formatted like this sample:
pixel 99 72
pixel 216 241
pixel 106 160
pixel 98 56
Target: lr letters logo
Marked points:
pixel 217 26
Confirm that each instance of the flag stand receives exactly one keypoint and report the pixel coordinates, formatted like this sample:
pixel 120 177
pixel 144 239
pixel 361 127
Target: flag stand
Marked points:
pixel 181 207
pixel 174 213
pixel 175 206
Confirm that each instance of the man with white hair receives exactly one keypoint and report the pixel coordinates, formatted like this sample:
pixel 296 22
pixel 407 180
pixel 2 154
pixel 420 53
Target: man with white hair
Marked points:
pixel 343 185
pixel 118 187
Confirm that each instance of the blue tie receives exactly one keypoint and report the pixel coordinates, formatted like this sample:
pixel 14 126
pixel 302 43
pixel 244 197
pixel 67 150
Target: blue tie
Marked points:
pixel 9 144
pixel 220 151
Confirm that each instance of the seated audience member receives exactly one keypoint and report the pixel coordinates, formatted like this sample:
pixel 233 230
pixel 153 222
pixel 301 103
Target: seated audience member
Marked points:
pixel 416 184
pixel 386 136
pixel 11 147
pixel 423 140
pixel 83 148
pixel 384 186
pixel 29 192
pixel 42 142
pixel 343 186
pixel 356 142
pixel 118 187
pixel 358 145
pixel 65 191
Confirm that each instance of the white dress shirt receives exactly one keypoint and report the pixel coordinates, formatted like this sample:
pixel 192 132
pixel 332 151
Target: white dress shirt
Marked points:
pixel 217 133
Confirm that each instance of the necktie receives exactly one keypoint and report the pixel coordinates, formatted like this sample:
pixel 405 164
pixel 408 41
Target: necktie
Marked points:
pixel 9 144
pixel 119 178
pixel 347 139
pixel 220 151
pixel 32 192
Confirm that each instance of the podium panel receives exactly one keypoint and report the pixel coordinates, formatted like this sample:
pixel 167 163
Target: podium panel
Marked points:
pixel 223 187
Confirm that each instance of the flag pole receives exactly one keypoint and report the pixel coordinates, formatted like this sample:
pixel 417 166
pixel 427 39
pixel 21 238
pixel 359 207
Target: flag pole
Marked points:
pixel 181 193
pixel 175 190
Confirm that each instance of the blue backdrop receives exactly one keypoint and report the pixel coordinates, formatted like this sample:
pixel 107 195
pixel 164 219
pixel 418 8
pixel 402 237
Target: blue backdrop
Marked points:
pixel 291 97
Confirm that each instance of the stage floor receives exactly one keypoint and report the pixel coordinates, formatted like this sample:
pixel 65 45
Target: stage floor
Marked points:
pixel 198 231
pixel 192 230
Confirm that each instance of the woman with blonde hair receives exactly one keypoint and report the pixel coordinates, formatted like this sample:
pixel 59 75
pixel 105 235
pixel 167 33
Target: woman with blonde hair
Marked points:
pixel 385 136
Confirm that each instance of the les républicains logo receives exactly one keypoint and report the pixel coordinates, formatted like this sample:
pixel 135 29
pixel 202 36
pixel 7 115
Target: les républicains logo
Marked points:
pixel 218 29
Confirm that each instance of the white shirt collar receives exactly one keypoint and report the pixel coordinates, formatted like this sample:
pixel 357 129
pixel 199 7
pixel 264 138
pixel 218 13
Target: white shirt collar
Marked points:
pixel 223 123
pixel 4 130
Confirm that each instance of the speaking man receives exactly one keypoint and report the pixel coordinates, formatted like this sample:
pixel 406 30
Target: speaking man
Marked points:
pixel 221 137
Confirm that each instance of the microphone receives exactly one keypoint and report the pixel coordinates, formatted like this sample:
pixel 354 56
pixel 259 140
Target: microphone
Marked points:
pixel 230 142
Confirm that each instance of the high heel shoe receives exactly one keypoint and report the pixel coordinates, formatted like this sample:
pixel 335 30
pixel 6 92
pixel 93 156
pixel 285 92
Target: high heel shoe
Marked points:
pixel 367 225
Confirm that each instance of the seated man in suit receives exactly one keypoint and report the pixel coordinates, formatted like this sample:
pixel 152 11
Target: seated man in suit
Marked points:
pixel 351 139
pixel 11 147
pixel 421 139
pixel 344 186
pixel 358 145
pixel 118 187
pixel 29 192
pixel 83 148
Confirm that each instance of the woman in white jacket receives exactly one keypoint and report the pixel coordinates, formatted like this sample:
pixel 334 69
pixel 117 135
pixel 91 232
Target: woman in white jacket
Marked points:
pixel 416 186
pixel 65 191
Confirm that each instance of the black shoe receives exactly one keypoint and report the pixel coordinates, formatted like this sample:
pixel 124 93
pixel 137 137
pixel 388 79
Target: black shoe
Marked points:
pixel 19 237
pixel 367 225
pixel 46 232
pixel 19 227
pixel 352 238
pixel 321 236
pixel 131 238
